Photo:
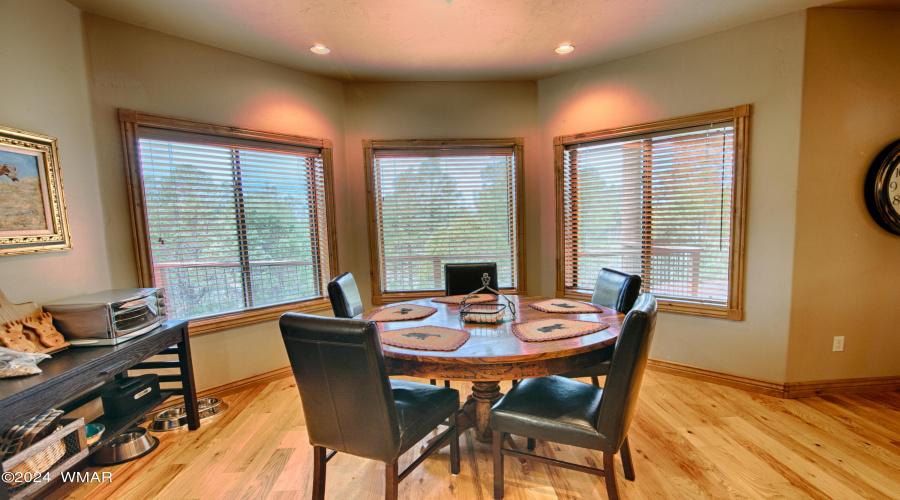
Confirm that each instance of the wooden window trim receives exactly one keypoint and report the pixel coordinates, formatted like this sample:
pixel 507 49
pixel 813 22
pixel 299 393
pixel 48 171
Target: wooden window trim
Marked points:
pixel 740 116
pixel 130 122
pixel 517 143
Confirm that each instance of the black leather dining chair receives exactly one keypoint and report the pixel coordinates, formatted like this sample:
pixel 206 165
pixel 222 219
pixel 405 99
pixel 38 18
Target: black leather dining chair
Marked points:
pixel 569 412
pixel 344 296
pixel 613 289
pixel 346 302
pixel 351 406
pixel 463 279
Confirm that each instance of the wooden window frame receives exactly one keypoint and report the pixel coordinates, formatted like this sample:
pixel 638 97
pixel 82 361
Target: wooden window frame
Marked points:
pixel 131 122
pixel 369 146
pixel 740 116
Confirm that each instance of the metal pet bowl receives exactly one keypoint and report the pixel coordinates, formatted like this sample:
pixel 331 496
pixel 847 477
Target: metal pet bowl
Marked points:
pixel 209 404
pixel 131 444
pixel 176 418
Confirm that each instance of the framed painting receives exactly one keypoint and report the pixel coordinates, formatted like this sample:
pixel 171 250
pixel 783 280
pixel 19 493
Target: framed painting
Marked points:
pixel 32 206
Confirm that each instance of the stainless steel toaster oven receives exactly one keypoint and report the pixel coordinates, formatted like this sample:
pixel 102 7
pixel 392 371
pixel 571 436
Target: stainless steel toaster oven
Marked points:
pixel 110 317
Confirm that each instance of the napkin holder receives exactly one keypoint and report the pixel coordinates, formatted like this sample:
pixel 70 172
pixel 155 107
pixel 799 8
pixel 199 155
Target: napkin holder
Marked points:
pixel 486 312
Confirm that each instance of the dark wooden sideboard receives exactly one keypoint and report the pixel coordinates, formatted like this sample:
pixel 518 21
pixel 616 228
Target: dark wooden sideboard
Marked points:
pixel 77 375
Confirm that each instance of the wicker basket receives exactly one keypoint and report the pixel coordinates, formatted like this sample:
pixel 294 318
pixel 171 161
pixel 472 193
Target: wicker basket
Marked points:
pixel 491 312
pixel 38 463
pixel 56 452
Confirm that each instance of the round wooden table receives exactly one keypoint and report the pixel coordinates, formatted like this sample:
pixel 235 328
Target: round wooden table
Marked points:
pixel 493 353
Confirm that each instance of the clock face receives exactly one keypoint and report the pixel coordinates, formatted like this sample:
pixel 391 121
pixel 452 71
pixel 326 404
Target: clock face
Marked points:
pixel 893 189
pixel 882 188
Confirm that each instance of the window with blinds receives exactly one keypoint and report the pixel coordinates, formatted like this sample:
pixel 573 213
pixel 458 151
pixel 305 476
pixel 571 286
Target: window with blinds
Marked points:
pixel 439 202
pixel 663 201
pixel 231 224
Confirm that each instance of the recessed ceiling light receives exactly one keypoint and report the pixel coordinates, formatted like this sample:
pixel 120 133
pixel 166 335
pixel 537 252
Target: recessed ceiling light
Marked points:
pixel 565 49
pixel 319 49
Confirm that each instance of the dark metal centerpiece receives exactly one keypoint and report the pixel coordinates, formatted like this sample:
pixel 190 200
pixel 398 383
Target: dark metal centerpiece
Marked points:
pixel 486 312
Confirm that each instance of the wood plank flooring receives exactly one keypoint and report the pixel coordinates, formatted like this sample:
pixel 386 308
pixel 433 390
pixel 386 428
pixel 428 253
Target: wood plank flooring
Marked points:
pixel 690 440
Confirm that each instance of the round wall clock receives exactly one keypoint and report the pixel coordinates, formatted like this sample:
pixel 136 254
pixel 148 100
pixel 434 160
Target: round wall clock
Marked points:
pixel 882 188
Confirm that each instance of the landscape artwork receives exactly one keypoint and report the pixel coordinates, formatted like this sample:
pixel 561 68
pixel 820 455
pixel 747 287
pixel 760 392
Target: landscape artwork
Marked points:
pixel 23 199
pixel 32 205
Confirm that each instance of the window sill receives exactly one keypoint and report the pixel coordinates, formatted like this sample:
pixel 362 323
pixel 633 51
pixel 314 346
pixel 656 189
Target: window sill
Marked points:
pixel 674 306
pixel 201 326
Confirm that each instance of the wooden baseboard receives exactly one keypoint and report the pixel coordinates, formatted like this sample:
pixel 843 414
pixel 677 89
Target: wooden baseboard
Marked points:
pixel 788 390
pixel 233 387
pixel 748 384
pixel 780 390
pixel 847 386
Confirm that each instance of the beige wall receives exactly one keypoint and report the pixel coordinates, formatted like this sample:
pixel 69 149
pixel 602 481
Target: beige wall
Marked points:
pixel 759 64
pixel 77 74
pixel 45 90
pixel 430 110
pixel 846 269
pixel 140 69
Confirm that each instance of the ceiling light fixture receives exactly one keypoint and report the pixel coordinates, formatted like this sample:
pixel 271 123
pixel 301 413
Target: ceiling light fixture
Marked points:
pixel 565 49
pixel 319 49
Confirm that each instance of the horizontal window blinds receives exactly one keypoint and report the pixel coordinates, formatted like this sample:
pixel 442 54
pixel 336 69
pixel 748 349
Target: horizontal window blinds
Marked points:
pixel 233 227
pixel 658 205
pixel 439 206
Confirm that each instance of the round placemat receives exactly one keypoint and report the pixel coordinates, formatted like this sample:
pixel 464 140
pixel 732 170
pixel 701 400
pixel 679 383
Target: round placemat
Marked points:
pixel 426 338
pixel 400 312
pixel 542 330
pixel 456 299
pixel 565 306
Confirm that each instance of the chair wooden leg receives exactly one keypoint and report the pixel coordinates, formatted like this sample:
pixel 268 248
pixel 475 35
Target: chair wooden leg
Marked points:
pixel 447 384
pixel 595 381
pixel 498 465
pixel 318 492
pixel 626 461
pixel 531 443
pixel 609 472
pixel 391 480
pixel 454 444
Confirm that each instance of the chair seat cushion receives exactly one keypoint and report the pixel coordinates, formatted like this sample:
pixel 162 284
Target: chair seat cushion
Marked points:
pixel 551 409
pixel 421 408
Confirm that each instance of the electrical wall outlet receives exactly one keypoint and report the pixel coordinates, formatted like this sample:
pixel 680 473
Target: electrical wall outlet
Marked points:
pixel 838 344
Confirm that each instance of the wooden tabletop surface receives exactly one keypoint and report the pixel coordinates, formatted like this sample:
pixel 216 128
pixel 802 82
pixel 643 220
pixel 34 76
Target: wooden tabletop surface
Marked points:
pixel 495 343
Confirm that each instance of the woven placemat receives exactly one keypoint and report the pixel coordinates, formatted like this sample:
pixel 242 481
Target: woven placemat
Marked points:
pixel 456 299
pixel 565 306
pixel 400 312
pixel 542 330
pixel 426 338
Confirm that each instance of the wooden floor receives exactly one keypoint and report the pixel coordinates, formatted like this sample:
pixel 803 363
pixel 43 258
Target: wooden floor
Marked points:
pixel 691 440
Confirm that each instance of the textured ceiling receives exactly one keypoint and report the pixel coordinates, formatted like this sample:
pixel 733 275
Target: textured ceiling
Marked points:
pixel 417 40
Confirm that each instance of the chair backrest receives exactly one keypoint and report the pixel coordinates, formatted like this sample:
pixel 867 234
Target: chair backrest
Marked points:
pixel 463 279
pixel 344 296
pixel 347 400
pixel 620 392
pixel 616 289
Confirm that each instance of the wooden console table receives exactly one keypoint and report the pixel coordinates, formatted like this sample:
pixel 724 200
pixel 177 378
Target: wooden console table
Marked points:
pixel 77 375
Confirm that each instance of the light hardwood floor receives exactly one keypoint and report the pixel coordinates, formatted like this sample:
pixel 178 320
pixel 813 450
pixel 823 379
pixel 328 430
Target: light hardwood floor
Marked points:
pixel 690 440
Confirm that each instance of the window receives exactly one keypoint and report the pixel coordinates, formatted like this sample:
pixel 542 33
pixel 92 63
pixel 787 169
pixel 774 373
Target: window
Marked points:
pixel 664 200
pixel 437 202
pixel 233 223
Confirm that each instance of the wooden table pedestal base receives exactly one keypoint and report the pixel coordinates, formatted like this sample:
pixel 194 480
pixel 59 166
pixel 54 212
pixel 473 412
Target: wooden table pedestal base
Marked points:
pixel 476 412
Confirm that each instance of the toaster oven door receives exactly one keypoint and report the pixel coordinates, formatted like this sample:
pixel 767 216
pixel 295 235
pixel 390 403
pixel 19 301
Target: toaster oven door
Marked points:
pixel 135 315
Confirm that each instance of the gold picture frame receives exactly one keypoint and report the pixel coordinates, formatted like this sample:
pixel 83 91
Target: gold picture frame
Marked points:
pixel 32 205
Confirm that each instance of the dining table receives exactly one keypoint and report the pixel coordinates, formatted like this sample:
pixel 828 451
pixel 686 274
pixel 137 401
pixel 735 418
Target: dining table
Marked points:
pixel 493 353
